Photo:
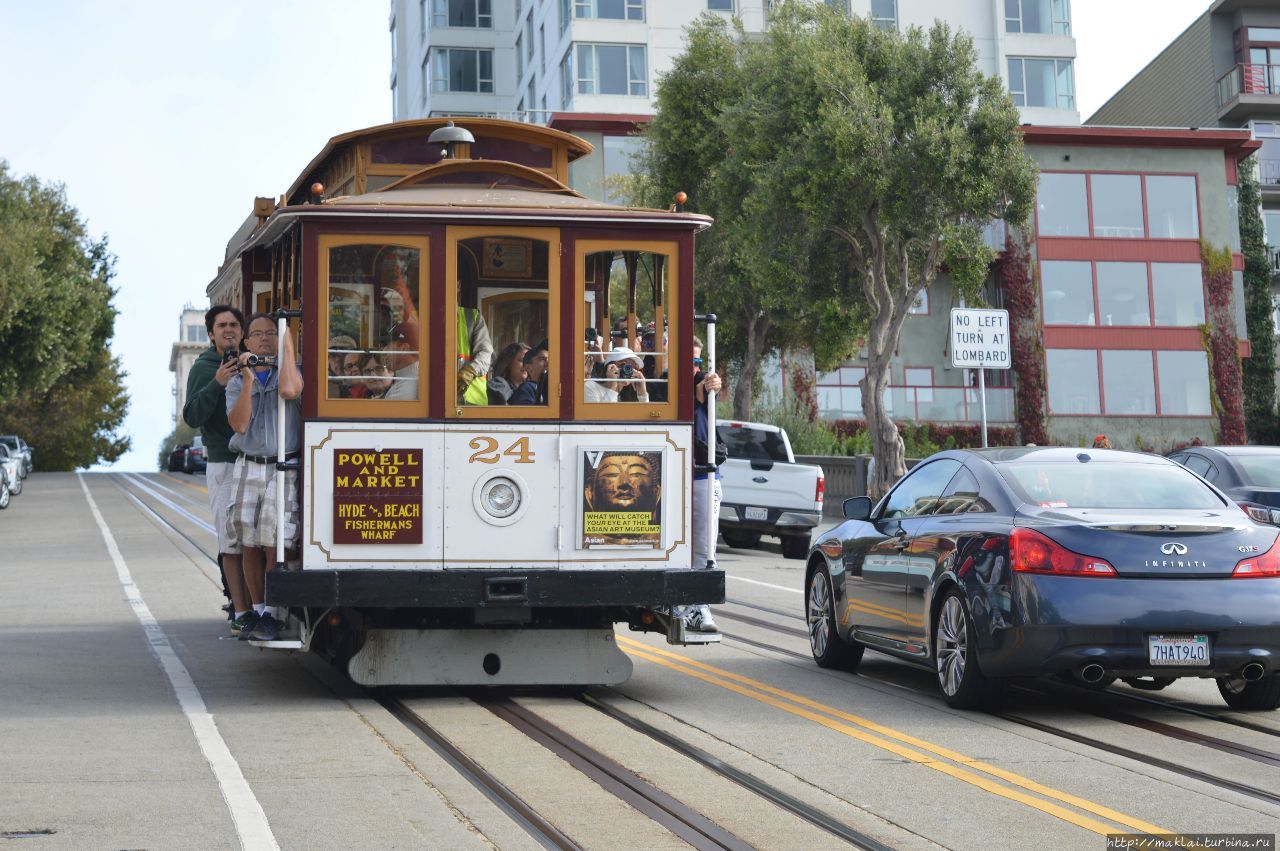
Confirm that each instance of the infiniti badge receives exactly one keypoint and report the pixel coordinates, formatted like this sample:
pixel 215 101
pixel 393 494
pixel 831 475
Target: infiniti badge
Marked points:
pixel 1174 548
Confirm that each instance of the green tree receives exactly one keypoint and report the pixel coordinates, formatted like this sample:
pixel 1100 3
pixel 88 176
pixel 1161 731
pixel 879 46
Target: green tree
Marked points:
pixel 1260 368
pixel 59 386
pixel 845 166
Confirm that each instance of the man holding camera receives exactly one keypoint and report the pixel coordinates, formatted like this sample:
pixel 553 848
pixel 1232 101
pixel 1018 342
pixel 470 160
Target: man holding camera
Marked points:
pixel 206 409
pixel 252 400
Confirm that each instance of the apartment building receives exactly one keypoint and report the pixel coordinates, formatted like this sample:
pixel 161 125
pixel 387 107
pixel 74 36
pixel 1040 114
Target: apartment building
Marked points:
pixel 535 59
pixel 1223 71
pixel 192 340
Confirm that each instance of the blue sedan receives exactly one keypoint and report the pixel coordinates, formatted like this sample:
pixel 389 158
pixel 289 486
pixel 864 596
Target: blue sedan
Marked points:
pixel 996 563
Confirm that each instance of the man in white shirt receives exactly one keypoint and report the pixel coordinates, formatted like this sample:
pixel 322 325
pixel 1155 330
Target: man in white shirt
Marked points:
pixel 403 360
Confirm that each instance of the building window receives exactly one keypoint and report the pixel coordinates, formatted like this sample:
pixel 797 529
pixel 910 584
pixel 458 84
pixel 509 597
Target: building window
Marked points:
pixel 196 334
pixel 393 43
pixel 566 79
pixel 528 42
pixel 459 70
pixel 884 14
pixel 564 16
pixel 462 13
pixel 1071 288
pixel 1061 205
pixel 1037 16
pixel 529 94
pixel 423 22
pixel 542 48
pixel 1073 381
pixel 1170 210
pixel 613 10
pixel 720 5
pixel 1171 207
pixel 1042 82
pixel 519 58
pixel 1179 294
pixel 919 381
pixel 612 69
pixel 1067 292
pixel 426 77
pixel 1117 205
pixel 1184 383
pixel 919 307
pixel 1128 382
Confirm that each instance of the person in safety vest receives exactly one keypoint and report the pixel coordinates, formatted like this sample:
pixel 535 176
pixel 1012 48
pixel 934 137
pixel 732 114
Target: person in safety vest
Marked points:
pixel 475 355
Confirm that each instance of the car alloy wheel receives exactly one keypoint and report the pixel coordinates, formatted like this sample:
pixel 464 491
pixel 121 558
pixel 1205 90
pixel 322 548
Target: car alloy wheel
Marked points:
pixel 960 676
pixel 828 648
pixel 953 645
pixel 4 495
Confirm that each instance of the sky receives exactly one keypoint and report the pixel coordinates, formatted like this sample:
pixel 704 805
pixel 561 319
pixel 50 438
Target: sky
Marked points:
pixel 164 120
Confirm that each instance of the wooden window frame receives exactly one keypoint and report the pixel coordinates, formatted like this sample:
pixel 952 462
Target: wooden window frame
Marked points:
pixel 455 234
pixel 380 409
pixel 630 411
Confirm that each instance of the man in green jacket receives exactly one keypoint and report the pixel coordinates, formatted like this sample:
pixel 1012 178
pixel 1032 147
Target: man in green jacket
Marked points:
pixel 206 409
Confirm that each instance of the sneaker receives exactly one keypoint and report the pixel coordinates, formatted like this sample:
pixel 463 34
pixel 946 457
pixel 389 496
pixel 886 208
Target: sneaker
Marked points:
pixel 699 619
pixel 266 630
pixel 249 621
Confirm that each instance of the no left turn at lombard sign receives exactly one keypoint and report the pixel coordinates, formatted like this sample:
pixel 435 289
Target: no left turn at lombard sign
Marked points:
pixel 980 338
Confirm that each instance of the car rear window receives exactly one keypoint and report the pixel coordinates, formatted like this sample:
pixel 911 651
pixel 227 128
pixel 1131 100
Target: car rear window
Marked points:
pixel 1260 470
pixel 1072 484
pixel 753 444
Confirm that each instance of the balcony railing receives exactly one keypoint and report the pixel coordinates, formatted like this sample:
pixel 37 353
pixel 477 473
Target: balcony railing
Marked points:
pixel 949 404
pixel 1269 172
pixel 1248 80
pixel 1274 254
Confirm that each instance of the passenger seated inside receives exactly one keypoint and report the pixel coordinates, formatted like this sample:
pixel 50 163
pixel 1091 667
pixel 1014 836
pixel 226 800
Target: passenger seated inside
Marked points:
pixel 402 343
pixel 340 346
pixel 508 374
pixel 354 385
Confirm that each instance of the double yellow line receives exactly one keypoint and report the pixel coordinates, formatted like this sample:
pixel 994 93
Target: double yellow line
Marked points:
pixel 966 769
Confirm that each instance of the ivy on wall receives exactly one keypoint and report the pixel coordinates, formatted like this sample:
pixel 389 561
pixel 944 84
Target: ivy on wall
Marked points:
pixel 1259 381
pixel 1021 299
pixel 1219 337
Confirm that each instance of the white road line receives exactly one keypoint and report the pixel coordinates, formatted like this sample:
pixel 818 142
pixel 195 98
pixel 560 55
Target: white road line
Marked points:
pixel 247 814
pixel 765 584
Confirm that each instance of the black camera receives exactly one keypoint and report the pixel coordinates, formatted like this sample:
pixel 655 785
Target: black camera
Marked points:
pixel 626 370
pixel 230 354
pixel 260 360
pixel 592 336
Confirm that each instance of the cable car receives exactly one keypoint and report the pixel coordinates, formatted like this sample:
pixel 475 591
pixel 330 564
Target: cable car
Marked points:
pixel 497 446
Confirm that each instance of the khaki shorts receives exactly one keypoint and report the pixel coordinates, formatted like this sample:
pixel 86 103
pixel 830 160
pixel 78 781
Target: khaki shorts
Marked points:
pixel 219 479
pixel 252 518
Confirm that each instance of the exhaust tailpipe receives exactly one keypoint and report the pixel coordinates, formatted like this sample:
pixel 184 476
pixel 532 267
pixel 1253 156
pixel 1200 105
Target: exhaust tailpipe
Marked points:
pixel 1093 673
pixel 1253 672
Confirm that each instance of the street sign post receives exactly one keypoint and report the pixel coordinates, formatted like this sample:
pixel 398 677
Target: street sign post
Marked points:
pixel 980 339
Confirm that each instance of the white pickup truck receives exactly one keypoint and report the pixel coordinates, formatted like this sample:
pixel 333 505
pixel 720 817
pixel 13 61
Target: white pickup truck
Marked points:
pixel 765 491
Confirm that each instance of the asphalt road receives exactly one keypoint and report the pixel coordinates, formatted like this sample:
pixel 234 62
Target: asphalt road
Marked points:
pixel 129 719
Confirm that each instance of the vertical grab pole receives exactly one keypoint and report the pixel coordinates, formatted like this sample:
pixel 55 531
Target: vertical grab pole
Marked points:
pixel 712 531
pixel 281 329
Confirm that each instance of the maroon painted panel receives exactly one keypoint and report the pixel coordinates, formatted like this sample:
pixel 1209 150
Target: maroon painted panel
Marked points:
pixel 377 496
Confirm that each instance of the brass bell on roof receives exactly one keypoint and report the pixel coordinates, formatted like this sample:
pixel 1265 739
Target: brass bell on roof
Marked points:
pixel 450 136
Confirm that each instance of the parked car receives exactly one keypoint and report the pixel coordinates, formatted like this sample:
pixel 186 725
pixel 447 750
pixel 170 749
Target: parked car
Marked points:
pixel 1248 474
pixel 193 459
pixel 987 564
pixel 5 496
pixel 22 448
pixel 178 457
pixel 13 464
pixel 765 491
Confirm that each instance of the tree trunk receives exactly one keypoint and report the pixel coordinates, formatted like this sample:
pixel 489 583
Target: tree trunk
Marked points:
pixel 886 444
pixel 757 329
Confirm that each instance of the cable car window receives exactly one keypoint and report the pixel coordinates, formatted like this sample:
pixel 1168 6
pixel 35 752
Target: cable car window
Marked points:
pixel 627 332
pixel 505 286
pixel 374 293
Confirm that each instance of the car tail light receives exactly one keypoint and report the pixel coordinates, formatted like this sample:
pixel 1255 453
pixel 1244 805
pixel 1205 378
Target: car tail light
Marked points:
pixel 1260 513
pixel 1031 552
pixel 1259 564
pixel 820 491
